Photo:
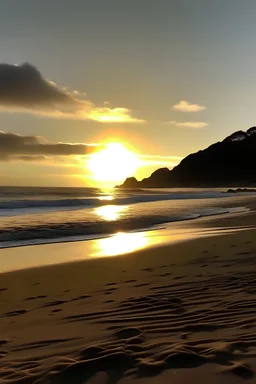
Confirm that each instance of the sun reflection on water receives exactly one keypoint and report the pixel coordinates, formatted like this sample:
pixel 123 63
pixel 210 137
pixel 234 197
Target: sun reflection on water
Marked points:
pixel 110 212
pixel 121 243
pixel 108 198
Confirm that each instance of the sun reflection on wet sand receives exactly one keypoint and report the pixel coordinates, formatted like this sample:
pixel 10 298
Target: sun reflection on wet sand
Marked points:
pixel 128 242
pixel 110 212
pixel 121 243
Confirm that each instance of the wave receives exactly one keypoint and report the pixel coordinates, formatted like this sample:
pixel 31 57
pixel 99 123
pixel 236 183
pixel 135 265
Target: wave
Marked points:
pixel 17 207
pixel 53 232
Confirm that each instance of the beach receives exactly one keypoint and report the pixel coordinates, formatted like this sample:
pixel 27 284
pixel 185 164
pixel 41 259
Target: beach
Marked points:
pixel 181 313
pixel 127 192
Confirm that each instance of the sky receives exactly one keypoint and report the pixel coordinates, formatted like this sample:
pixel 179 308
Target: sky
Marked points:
pixel 165 78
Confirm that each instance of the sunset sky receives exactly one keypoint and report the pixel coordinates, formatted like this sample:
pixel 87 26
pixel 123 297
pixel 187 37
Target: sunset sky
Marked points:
pixel 164 78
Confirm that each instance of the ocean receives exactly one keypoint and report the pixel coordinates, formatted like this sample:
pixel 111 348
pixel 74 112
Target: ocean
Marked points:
pixel 38 215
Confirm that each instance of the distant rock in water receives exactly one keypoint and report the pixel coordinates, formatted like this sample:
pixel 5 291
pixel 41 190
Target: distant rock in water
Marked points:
pixel 231 162
pixel 239 190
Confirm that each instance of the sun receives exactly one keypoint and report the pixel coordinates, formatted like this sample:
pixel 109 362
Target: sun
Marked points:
pixel 113 164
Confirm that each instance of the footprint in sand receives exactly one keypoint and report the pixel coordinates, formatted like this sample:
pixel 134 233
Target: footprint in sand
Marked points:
pixel 178 277
pixel 15 313
pixel 30 298
pixel 57 310
pixel 130 281
pixel 165 274
pixel 35 297
pixel 82 297
pixel 108 291
pixel 140 285
pixel 52 303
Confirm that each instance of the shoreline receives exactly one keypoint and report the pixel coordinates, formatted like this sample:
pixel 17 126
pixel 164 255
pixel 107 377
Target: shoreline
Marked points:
pixel 75 227
pixel 71 239
pixel 121 243
pixel 183 312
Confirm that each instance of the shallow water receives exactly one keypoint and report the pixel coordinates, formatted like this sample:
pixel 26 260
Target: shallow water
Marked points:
pixel 45 215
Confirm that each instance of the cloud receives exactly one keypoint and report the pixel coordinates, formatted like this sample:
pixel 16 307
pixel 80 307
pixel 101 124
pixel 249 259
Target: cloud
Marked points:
pixel 167 161
pixel 24 89
pixel 114 115
pixel 34 148
pixel 28 158
pixel 188 124
pixel 185 106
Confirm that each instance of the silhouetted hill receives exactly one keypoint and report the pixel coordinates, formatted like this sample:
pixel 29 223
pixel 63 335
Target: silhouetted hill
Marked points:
pixel 231 162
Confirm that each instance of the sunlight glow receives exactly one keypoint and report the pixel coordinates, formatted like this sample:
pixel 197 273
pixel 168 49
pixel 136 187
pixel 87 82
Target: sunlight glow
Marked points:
pixel 121 243
pixel 106 198
pixel 113 115
pixel 113 164
pixel 110 212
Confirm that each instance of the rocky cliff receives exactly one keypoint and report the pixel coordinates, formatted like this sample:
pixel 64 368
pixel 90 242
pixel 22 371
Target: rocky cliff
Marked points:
pixel 226 163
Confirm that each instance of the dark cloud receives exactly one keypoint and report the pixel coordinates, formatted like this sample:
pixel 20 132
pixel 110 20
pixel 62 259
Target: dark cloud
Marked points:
pixel 28 158
pixel 24 89
pixel 29 148
pixel 24 86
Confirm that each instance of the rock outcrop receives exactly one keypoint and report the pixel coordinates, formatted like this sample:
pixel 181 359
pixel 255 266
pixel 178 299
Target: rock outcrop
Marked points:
pixel 231 162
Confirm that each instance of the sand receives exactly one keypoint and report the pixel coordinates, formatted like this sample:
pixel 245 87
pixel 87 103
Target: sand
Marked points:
pixel 182 313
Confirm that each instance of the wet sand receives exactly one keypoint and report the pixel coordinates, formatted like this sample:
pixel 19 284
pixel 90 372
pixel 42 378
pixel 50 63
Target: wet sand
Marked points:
pixel 182 313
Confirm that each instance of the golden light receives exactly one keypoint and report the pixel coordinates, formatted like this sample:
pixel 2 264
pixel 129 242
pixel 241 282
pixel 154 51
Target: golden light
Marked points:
pixel 106 198
pixel 113 164
pixel 113 115
pixel 121 243
pixel 110 212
